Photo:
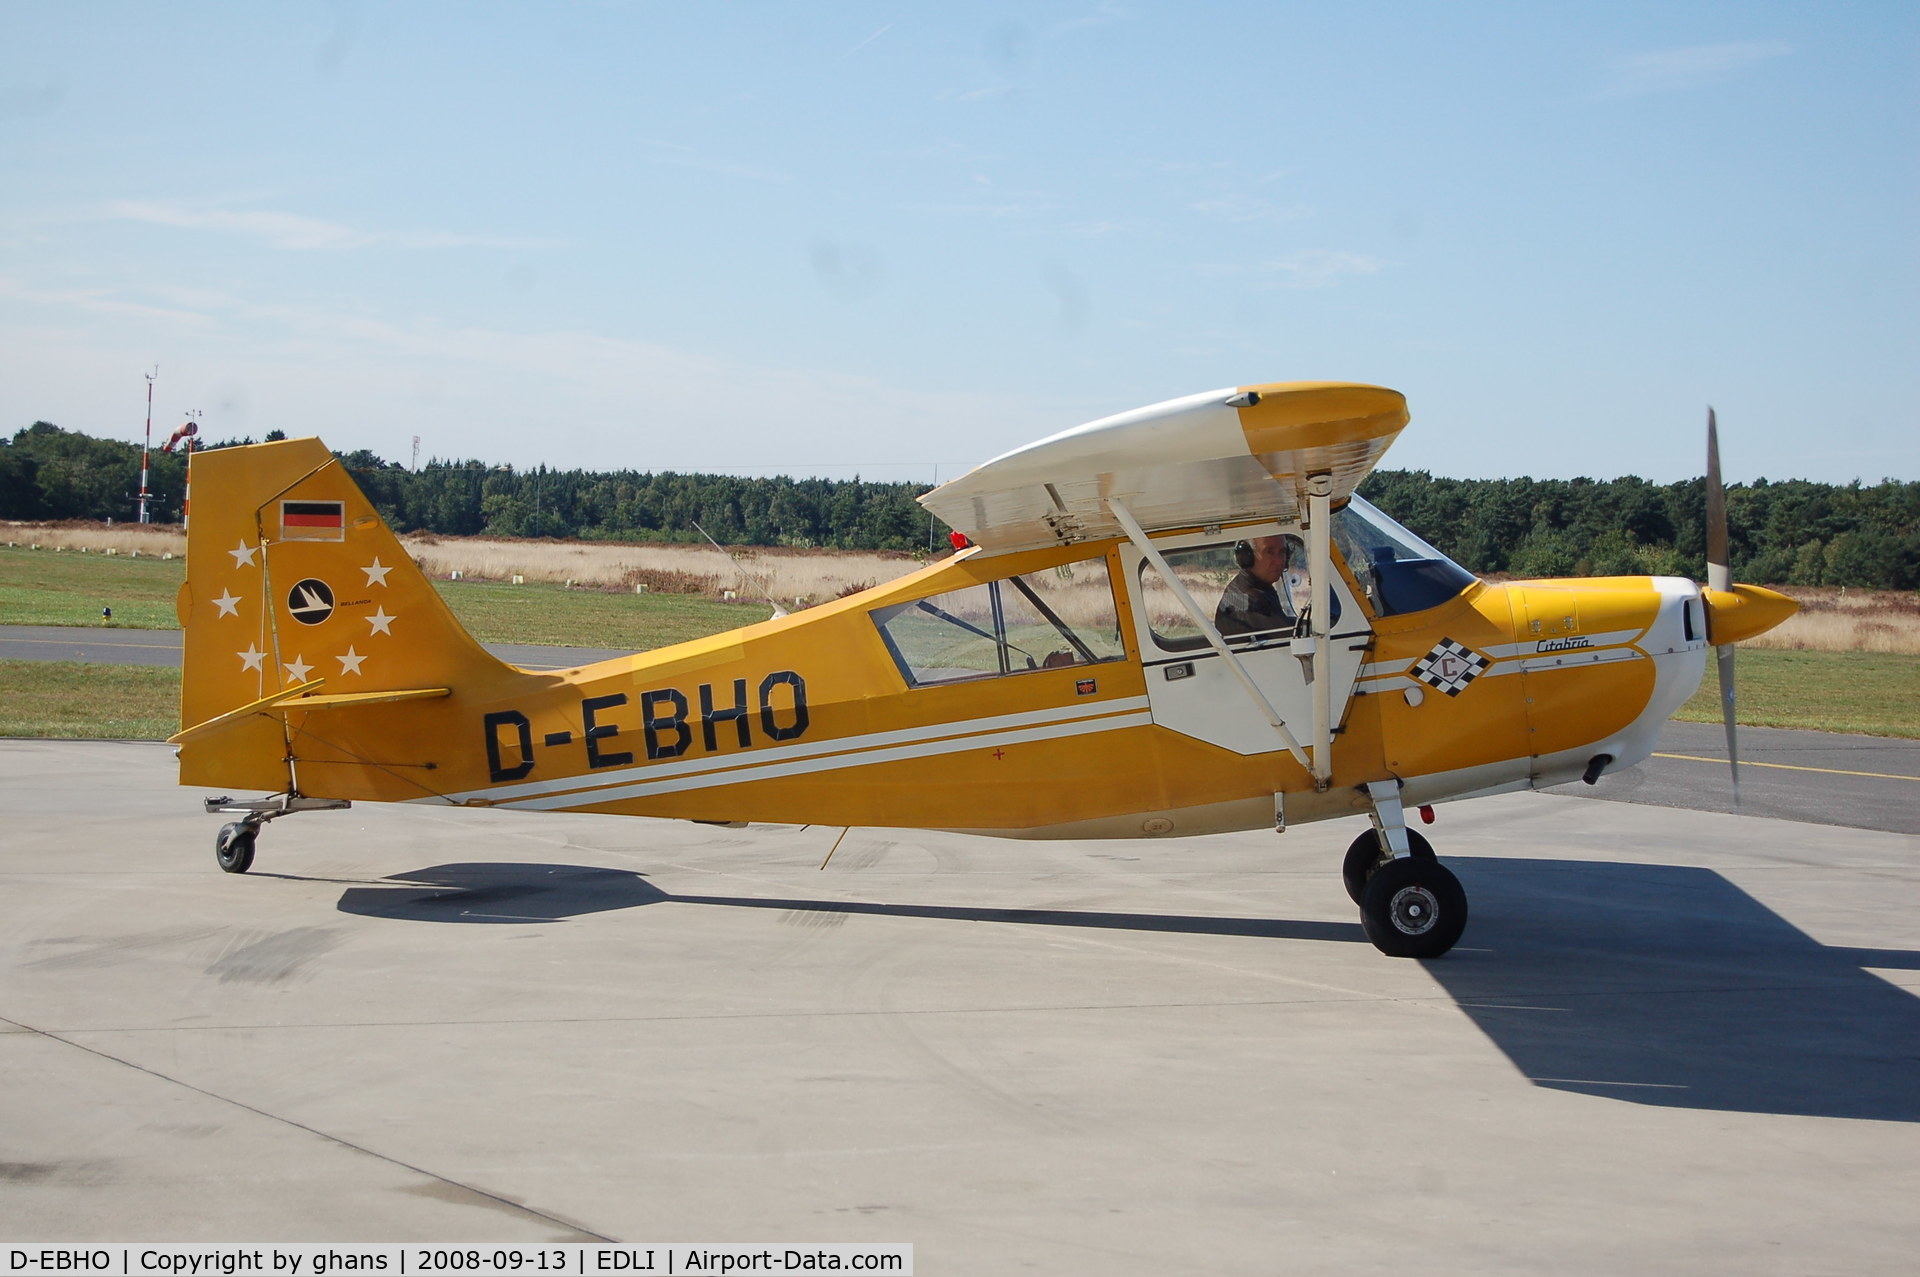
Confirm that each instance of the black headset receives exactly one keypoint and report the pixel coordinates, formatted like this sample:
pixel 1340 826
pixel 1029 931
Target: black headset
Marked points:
pixel 1243 555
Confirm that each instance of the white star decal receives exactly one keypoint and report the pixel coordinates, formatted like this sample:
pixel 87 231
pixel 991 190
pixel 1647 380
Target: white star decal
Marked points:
pixel 227 603
pixel 251 658
pixel 298 671
pixel 350 663
pixel 380 620
pixel 376 575
pixel 243 554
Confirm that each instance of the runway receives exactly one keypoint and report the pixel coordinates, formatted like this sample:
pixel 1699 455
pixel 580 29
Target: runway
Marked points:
pixel 1670 1040
pixel 1824 778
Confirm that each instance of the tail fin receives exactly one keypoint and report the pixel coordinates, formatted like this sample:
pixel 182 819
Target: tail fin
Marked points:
pixel 296 589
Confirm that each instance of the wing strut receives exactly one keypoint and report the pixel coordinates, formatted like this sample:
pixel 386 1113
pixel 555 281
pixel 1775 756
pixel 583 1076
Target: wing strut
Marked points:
pixel 1139 539
pixel 1320 565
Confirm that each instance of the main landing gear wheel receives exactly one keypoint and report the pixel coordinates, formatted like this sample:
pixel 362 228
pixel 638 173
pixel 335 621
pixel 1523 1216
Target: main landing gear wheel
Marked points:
pixel 1413 908
pixel 233 846
pixel 1367 855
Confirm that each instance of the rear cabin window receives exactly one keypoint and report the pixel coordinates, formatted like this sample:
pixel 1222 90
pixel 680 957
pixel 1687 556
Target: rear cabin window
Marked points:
pixel 1061 617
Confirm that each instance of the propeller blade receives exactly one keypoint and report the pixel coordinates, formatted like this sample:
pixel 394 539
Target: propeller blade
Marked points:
pixel 1725 657
pixel 1719 564
pixel 1720 577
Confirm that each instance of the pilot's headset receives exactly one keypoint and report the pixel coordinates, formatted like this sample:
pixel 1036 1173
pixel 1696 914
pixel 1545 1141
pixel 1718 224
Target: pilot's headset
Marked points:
pixel 1243 555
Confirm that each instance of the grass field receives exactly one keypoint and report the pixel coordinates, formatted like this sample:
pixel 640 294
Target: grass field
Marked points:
pixel 539 613
pixel 1867 692
pixel 73 701
pixel 44 588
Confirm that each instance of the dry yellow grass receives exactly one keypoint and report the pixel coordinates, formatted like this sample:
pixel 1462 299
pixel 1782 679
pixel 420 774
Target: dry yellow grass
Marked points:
pixel 123 538
pixel 1844 620
pixel 793 577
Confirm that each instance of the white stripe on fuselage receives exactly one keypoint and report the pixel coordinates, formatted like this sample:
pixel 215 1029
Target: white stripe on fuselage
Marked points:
pixel 650 772
pixel 836 762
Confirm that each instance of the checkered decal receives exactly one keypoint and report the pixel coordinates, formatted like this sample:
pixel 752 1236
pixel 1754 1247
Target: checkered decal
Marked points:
pixel 1450 666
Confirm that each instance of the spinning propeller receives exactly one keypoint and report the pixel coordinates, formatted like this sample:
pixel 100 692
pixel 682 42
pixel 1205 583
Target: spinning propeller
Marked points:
pixel 1734 612
pixel 1720 577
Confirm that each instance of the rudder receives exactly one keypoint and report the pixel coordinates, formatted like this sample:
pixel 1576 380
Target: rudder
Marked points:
pixel 293 577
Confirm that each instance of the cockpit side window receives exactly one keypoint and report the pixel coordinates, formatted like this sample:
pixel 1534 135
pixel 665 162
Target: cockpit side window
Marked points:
pixel 1044 620
pixel 1255 590
pixel 1398 571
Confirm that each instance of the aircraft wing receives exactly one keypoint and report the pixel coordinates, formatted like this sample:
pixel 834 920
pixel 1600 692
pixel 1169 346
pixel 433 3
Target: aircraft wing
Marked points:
pixel 1225 456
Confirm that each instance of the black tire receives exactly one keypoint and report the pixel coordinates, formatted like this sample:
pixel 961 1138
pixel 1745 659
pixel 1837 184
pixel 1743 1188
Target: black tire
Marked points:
pixel 1366 854
pixel 233 847
pixel 1413 909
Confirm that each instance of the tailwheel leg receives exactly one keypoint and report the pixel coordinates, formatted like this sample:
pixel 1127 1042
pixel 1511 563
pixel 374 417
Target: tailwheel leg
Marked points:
pixel 1411 905
pixel 233 845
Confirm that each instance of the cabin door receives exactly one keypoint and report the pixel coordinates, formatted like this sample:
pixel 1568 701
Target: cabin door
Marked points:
pixel 1190 688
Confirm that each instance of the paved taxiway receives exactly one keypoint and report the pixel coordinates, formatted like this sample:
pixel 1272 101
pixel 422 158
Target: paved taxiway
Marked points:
pixel 1670 1040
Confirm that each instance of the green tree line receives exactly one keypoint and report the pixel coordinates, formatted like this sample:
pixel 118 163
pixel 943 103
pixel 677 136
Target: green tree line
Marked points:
pixel 50 473
pixel 1793 532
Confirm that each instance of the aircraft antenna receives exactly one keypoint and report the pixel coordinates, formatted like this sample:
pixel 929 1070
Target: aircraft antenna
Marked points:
pixel 765 592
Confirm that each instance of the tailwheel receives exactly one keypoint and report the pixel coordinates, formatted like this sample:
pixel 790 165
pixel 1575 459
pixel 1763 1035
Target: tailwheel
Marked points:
pixel 233 846
pixel 1413 908
pixel 1368 853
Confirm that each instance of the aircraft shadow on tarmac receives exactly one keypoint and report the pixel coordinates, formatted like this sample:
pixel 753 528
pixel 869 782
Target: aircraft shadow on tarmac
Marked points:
pixel 1655 984
pixel 522 893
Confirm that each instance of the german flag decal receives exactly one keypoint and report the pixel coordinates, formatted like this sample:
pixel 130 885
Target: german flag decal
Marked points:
pixel 313 521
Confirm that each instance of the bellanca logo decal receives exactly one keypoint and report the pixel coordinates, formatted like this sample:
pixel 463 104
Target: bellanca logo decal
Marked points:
pixel 310 602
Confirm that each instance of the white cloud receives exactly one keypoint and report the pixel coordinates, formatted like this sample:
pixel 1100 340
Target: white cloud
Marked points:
pixel 1240 208
pixel 295 232
pixel 562 397
pixel 1664 70
pixel 1311 268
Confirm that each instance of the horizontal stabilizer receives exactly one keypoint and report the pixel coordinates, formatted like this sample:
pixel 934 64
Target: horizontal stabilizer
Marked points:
pixel 301 699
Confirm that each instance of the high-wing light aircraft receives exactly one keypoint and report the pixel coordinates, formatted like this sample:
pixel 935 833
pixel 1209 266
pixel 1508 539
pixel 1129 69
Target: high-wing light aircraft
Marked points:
pixel 1078 670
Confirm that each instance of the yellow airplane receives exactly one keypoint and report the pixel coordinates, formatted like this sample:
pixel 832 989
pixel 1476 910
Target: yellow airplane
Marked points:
pixel 1179 620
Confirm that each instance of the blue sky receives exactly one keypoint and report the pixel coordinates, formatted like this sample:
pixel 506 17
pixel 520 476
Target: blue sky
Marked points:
pixel 890 238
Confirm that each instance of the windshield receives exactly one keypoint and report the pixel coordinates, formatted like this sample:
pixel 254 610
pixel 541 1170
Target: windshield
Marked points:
pixel 1396 569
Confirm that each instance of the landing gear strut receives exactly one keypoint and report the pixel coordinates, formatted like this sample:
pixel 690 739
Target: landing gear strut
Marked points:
pixel 233 846
pixel 1411 905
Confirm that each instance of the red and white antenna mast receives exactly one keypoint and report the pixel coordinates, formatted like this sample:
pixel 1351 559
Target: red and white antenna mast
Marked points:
pixel 145 496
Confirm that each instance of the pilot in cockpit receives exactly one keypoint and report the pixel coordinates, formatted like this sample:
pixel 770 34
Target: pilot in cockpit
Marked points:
pixel 1271 591
pixel 1251 603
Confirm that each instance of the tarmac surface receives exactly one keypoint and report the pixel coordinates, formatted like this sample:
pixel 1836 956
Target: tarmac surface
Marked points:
pixel 1827 778
pixel 1671 1040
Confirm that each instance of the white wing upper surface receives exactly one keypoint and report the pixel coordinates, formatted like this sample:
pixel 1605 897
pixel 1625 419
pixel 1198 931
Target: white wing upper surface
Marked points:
pixel 1221 457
